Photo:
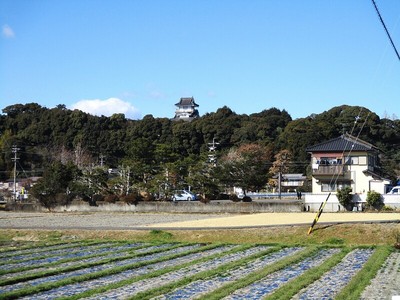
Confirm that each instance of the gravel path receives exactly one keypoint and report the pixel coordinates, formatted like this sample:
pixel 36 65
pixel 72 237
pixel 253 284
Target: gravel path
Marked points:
pixel 131 221
pixel 97 220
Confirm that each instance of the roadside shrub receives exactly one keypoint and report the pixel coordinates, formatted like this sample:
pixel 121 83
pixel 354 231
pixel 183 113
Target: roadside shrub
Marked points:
pixel 234 197
pixel 204 200
pixel 132 198
pixel 62 199
pixel 246 199
pixel 223 196
pixel 374 199
pixel 344 196
pixel 146 196
pixel 111 198
pixel 97 197
pixel 387 208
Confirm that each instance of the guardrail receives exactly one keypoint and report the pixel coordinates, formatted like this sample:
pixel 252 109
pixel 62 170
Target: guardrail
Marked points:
pixel 271 195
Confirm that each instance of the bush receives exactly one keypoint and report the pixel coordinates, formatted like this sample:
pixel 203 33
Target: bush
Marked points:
pixel 97 197
pixel 223 196
pixel 344 196
pixel 387 208
pixel 146 196
pixel 246 199
pixel 111 198
pixel 374 199
pixel 132 198
pixel 234 198
pixel 62 199
pixel 204 200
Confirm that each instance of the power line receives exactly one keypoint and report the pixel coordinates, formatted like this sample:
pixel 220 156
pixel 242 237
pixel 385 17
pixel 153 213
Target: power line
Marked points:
pixel 15 150
pixel 387 31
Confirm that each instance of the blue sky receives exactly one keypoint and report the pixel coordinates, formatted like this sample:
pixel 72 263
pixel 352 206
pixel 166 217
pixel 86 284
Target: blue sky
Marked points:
pixel 139 57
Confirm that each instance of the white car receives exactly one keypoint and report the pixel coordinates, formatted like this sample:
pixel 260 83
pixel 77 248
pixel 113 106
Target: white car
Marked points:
pixel 182 195
pixel 395 190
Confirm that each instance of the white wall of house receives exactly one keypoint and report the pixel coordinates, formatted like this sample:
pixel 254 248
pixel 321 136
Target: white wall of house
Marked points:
pixel 361 181
pixel 312 202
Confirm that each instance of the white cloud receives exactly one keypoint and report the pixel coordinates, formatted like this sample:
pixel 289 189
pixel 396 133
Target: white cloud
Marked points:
pixel 107 107
pixel 7 32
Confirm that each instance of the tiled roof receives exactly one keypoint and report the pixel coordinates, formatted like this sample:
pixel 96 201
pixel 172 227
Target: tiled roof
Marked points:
pixel 342 143
pixel 187 101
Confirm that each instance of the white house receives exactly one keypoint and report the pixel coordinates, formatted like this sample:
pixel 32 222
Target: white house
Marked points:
pixel 346 161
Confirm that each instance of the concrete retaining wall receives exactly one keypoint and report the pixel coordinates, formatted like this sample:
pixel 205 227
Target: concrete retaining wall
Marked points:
pixel 173 207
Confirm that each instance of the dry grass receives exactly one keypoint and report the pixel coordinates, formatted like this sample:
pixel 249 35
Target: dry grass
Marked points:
pixel 344 234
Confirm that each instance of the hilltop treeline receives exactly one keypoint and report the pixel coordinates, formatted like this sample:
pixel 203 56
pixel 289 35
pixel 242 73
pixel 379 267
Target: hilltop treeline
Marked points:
pixel 45 135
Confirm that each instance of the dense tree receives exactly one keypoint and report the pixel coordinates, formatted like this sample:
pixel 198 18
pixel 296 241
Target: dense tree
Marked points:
pixel 219 125
pixel 55 187
pixel 245 167
pixel 152 146
pixel 281 165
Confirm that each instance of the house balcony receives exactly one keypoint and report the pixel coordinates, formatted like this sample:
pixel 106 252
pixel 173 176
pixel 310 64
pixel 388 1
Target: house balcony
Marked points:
pixel 329 170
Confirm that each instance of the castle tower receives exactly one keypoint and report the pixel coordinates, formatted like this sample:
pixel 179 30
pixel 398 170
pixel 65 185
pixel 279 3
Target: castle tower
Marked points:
pixel 187 109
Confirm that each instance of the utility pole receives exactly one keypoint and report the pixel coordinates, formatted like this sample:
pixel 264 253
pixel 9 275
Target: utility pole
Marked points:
pixel 280 183
pixel 102 160
pixel 212 157
pixel 15 150
pixel 128 179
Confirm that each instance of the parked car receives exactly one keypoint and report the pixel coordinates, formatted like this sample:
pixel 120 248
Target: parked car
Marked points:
pixel 395 190
pixel 183 195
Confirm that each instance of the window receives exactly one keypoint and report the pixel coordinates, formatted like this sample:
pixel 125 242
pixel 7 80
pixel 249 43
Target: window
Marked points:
pixel 328 187
pixel 333 187
pixel 372 161
pixel 330 161
pixel 352 160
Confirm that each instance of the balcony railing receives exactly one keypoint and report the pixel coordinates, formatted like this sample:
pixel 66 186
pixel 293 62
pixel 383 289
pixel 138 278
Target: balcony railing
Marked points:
pixel 329 170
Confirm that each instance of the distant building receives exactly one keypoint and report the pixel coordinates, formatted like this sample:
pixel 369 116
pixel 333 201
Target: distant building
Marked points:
pixel 187 109
pixel 293 181
pixel 346 161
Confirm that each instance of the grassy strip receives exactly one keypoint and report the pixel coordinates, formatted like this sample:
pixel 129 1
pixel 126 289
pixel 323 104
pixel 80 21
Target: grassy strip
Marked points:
pixel 41 247
pixel 72 251
pixel 52 285
pixel 26 277
pixel 43 273
pixel 200 276
pixel 287 291
pixel 33 245
pixel 9 250
pixel 156 273
pixel 360 281
pixel 258 275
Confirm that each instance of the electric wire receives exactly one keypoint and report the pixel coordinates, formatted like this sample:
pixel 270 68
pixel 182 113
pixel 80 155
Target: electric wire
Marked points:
pixel 336 175
pixel 322 206
pixel 387 31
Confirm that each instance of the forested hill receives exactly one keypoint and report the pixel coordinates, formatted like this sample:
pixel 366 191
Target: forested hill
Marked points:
pixel 44 135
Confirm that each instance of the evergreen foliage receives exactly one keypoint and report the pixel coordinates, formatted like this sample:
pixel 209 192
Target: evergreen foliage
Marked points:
pixel 374 199
pixel 344 196
pixel 162 155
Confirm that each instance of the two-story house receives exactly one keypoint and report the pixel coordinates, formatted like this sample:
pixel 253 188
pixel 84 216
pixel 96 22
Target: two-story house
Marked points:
pixel 346 161
pixel 187 109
